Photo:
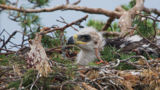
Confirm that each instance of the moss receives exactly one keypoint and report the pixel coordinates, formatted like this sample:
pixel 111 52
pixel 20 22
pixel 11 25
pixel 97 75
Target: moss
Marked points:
pixel 49 42
pixel 93 64
pixel 27 79
pixel 109 53
pixel 112 54
pixel 4 60
pixel 14 84
pixel 124 66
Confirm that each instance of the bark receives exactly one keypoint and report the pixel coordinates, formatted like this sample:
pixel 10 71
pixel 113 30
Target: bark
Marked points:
pixel 125 21
pixel 37 57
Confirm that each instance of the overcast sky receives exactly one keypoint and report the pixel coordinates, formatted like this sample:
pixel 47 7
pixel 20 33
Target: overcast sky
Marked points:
pixel 49 19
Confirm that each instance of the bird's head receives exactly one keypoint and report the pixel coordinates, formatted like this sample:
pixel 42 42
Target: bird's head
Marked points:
pixel 87 39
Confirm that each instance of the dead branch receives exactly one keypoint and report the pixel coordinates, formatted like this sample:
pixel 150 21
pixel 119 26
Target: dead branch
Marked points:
pixel 148 40
pixel 6 50
pixel 48 30
pixel 125 20
pixel 111 19
pixel 37 57
pixel 7 53
pixel 14 33
pixel 65 7
pixel 67 1
pixel 63 21
pixel 150 17
pixel 77 2
pixel 108 23
pixel 88 87
pixel 23 35
pixel 67 82
pixel 37 77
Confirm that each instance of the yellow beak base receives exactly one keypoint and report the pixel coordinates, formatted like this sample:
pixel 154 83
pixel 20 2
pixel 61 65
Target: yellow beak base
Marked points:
pixel 78 41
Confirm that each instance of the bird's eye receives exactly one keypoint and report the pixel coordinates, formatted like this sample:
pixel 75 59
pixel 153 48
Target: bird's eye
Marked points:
pixel 84 38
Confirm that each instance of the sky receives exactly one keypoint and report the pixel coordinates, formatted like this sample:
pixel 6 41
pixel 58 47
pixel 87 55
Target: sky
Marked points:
pixel 49 18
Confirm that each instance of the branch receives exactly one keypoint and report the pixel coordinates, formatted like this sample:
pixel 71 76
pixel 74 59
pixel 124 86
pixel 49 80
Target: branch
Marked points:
pixel 65 7
pixel 48 30
pixel 125 20
pixel 77 2
pixel 108 23
pixel 9 39
pixel 149 10
pixel 111 19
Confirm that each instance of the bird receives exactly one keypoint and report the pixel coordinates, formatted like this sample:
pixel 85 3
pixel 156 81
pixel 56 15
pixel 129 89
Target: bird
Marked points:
pixel 90 42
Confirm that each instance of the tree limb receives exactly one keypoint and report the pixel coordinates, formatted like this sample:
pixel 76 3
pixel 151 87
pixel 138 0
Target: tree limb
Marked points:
pixel 65 7
pixel 125 20
pixel 108 23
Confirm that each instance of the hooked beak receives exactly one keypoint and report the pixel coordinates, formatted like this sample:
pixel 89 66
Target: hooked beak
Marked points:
pixel 70 40
pixel 73 40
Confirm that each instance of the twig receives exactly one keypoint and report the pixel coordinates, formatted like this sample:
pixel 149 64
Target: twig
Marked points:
pixel 99 86
pixel 20 85
pixel 37 77
pixel 2 32
pixel 139 56
pixel 61 87
pixel 48 30
pixel 9 39
pixel 67 1
pixel 7 53
pixel 77 2
pixel 63 21
pixel 6 50
pixel 6 69
pixel 150 17
pixel 148 40
pixel 24 31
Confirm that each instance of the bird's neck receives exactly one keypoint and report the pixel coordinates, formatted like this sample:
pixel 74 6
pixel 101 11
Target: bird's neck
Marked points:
pixel 84 57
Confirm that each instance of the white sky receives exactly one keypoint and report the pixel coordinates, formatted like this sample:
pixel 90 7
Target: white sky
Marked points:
pixel 49 19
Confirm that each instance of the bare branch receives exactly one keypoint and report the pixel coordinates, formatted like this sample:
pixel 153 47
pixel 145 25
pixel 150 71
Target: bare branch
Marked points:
pixel 65 7
pixel 67 1
pixel 77 2
pixel 9 39
pixel 108 23
pixel 48 30
pixel 111 19
pixel 63 21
